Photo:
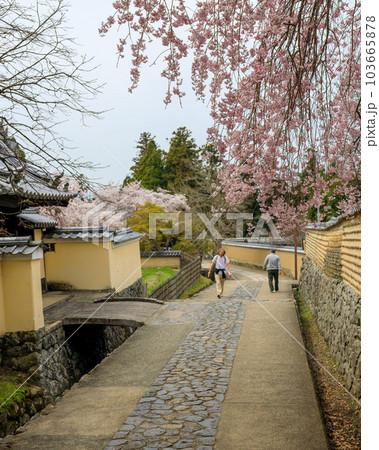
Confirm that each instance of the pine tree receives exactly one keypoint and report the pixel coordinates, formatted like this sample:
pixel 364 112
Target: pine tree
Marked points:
pixel 182 159
pixel 148 164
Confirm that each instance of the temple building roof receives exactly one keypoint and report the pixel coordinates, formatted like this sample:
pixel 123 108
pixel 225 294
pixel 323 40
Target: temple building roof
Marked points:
pixel 32 216
pixel 24 180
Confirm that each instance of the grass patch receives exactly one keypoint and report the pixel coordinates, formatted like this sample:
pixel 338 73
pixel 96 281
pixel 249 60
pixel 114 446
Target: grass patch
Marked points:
pixel 155 276
pixel 201 284
pixel 305 313
pixel 9 383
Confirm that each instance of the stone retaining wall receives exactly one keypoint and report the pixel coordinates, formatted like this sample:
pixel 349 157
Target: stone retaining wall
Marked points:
pixel 137 289
pixel 17 414
pixel 336 308
pixel 55 362
pixel 186 277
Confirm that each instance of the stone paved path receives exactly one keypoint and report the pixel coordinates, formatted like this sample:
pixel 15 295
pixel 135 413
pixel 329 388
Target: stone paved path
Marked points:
pixel 178 313
pixel 183 406
pixel 202 373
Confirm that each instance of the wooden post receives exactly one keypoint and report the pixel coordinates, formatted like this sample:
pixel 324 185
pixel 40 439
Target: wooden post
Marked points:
pixel 295 244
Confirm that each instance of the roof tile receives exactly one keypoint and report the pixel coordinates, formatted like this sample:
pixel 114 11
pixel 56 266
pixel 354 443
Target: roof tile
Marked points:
pixel 34 182
pixel 18 245
pixel 117 236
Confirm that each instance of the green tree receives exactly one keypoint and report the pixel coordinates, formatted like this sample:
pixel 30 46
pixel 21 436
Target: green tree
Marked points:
pixel 142 144
pixel 211 160
pixel 128 179
pixel 148 164
pixel 182 160
pixel 139 222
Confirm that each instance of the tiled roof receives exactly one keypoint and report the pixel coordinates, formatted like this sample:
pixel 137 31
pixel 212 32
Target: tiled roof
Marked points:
pixel 277 246
pixel 18 245
pixel 27 180
pixel 90 233
pixel 334 220
pixel 31 215
pixel 124 235
pixel 160 254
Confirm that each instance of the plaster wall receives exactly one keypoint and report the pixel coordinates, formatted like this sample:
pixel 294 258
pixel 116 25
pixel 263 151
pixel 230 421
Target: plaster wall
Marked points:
pixel 2 310
pixel 336 251
pixel 125 265
pixel 79 265
pixel 255 256
pixel 167 261
pixel 38 237
pixel 21 295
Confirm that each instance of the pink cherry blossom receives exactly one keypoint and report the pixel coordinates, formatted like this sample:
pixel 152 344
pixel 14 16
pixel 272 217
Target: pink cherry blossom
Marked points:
pixel 111 205
pixel 281 77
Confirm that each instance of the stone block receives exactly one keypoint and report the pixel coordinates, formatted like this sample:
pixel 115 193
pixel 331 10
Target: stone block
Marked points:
pixel 336 309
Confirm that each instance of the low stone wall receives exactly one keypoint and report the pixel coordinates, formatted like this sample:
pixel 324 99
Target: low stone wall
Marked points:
pixel 336 308
pixel 56 356
pixel 55 361
pixel 137 289
pixel 186 277
pixel 17 414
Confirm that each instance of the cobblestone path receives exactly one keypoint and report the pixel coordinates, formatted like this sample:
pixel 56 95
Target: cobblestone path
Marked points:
pixel 247 291
pixel 183 406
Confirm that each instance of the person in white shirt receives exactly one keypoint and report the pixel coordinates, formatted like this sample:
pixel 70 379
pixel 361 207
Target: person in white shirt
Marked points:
pixel 221 264
pixel 274 269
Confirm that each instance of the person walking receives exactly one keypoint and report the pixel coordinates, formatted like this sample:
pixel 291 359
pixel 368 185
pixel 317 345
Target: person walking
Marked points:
pixel 274 269
pixel 221 264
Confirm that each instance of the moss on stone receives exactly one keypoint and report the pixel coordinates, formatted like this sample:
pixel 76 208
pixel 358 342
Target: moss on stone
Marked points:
pixel 11 393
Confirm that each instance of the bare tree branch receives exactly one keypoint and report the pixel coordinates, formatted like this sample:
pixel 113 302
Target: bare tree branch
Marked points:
pixel 42 82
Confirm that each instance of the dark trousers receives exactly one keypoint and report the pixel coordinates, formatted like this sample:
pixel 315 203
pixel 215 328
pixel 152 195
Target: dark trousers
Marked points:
pixel 273 274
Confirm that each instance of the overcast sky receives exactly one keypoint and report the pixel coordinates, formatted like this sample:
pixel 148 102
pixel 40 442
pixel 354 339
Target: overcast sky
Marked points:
pixel 111 141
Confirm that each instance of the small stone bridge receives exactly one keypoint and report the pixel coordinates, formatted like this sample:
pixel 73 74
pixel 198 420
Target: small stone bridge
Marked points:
pixel 87 308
